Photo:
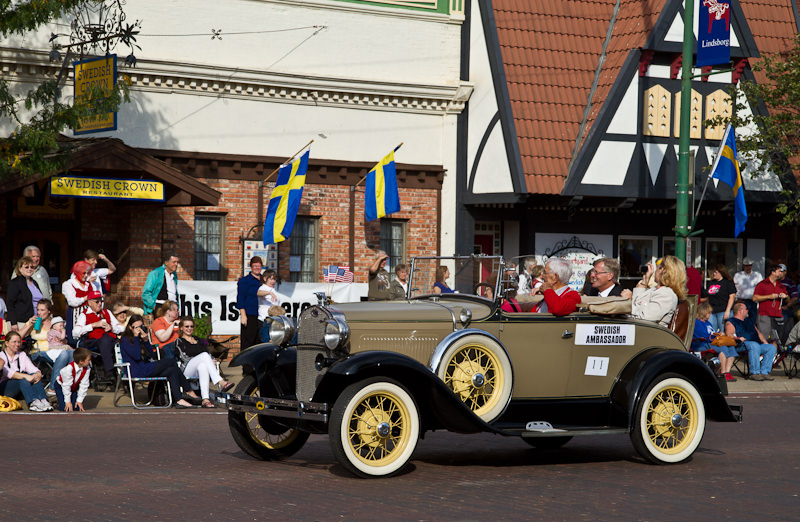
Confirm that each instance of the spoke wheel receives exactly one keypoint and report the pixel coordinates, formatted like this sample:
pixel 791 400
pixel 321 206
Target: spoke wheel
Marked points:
pixel 478 371
pixel 374 428
pixel 670 421
pixel 259 437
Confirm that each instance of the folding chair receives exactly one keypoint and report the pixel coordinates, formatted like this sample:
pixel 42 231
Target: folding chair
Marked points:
pixel 124 377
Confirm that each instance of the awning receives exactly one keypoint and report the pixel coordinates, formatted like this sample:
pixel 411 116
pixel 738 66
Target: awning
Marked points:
pixel 111 158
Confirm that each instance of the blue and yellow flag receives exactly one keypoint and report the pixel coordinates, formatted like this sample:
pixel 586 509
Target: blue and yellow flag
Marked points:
pixel 726 169
pixel 285 200
pixel 381 197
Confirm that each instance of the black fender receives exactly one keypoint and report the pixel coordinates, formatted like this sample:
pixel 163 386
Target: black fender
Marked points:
pixel 272 366
pixel 438 405
pixel 644 368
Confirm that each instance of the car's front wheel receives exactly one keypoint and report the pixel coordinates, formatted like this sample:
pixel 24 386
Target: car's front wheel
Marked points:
pixel 670 421
pixel 374 428
pixel 262 439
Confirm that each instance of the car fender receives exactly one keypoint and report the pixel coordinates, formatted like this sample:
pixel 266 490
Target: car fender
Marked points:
pixel 643 369
pixel 438 405
pixel 273 367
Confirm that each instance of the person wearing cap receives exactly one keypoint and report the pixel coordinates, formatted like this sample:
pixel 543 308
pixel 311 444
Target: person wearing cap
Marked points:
pixel 746 282
pixel 56 336
pixel 101 329
pixel 770 294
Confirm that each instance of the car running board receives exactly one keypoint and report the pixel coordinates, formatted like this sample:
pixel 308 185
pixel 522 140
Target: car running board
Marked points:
pixel 545 429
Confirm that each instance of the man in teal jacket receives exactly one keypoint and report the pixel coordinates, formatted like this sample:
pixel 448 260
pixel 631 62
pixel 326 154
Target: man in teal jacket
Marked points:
pixel 161 285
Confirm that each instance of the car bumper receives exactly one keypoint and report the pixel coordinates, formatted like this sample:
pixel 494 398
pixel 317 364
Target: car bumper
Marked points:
pixel 287 409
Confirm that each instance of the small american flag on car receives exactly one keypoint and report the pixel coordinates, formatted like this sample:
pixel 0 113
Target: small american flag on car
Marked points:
pixel 344 275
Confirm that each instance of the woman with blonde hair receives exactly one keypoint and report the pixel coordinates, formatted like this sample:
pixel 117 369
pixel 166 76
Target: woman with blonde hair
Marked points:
pixel 658 303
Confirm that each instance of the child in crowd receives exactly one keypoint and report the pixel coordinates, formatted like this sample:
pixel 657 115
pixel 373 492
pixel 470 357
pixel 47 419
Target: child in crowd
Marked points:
pixel 73 381
pixel 704 334
pixel 57 334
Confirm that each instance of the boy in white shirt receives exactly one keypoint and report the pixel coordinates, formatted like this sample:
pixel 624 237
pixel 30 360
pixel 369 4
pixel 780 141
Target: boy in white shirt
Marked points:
pixel 73 381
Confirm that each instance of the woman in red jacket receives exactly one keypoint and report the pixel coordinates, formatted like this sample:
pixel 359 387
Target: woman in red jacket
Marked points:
pixel 559 298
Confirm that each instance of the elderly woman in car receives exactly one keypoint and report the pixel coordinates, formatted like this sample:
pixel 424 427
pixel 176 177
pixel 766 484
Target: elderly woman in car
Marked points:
pixel 559 298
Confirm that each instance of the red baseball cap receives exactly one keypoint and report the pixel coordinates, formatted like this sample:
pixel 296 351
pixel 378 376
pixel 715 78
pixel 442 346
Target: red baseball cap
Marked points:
pixel 94 294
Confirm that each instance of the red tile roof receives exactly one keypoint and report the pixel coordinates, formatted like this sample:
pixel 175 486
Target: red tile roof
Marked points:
pixel 551 49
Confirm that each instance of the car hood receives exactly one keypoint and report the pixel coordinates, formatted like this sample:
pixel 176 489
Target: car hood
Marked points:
pixel 397 311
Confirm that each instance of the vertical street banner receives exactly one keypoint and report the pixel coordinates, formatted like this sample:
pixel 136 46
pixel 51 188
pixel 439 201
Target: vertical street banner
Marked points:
pixel 91 73
pixel 714 33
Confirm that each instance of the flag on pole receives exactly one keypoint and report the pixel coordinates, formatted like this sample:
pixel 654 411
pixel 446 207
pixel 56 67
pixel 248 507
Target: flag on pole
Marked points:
pixel 285 200
pixel 381 197
pixel 726 169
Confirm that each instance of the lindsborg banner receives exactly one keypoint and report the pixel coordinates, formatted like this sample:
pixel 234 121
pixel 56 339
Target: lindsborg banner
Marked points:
pixel 714 32
pixel 218 299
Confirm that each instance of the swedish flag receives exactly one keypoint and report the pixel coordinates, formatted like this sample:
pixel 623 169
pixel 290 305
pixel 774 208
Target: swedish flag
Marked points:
pixel 381 197
pixel 726 169
pixel 285 200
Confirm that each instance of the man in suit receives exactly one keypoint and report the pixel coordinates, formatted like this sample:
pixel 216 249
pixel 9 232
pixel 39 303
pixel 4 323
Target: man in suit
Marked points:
pixel 604 277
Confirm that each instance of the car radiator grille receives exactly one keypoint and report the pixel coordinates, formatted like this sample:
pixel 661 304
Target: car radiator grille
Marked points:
pixel 310 344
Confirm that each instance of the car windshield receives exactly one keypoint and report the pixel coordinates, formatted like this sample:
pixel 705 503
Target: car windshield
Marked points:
pixel 477 275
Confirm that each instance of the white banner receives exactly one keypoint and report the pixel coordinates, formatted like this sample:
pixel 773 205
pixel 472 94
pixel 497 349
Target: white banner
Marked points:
pixel 218 298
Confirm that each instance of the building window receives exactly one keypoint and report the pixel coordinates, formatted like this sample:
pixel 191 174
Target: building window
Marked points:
pixel 393 241
pixel 208 247
pixel 303 251
pixel 634 253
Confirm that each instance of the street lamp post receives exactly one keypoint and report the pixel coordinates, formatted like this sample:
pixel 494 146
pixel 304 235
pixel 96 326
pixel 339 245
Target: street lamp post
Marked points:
pixel 683 190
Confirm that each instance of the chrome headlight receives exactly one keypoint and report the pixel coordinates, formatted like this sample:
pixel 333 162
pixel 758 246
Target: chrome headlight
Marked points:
pixel 465 316
pixel 281 330
pixel 336 333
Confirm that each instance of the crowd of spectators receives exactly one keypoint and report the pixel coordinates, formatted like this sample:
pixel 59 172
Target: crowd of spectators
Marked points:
pixel 80 346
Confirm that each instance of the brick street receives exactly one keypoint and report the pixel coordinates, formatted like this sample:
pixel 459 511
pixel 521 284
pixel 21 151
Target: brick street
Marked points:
pixel 185 465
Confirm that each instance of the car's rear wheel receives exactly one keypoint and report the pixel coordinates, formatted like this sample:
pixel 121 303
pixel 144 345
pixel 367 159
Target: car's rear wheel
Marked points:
pixel 547 442
pixel 262 438
pixel 478 371
pixel 374 428
pixel 670 421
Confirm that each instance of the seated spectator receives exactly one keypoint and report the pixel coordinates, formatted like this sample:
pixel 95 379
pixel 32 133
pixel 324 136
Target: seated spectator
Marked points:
pixel 398 288
pixel 510 303
pixel 101 329
pixel 37 327
pixel 165 328
pixel 73 381
pixel 23 293
pixel 704 334
pixel 525 277
pixel 537 280
pixel 658 303
pixel 56 338
pixel 559 298
pixel 20 375
pixel 75 290
pixel 197 362
pixel 440 285
pixel 760 353
pixel 603 278
pixel 122 312
pixel 133 343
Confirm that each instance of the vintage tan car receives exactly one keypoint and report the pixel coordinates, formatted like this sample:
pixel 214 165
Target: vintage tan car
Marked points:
pixel 375 376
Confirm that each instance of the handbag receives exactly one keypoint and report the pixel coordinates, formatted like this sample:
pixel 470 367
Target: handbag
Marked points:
pixel 723 340
pixel 9 404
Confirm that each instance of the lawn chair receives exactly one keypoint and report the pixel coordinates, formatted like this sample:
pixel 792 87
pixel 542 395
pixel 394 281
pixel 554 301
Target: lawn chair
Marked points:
pixel 124 378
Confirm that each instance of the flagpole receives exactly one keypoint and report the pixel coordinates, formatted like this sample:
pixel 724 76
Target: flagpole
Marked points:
pixel 700 203
pixel 288 160
pixel 365 177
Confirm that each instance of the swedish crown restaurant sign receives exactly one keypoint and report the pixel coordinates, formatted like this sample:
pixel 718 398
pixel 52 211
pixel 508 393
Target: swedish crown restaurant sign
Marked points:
pixel 106 188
